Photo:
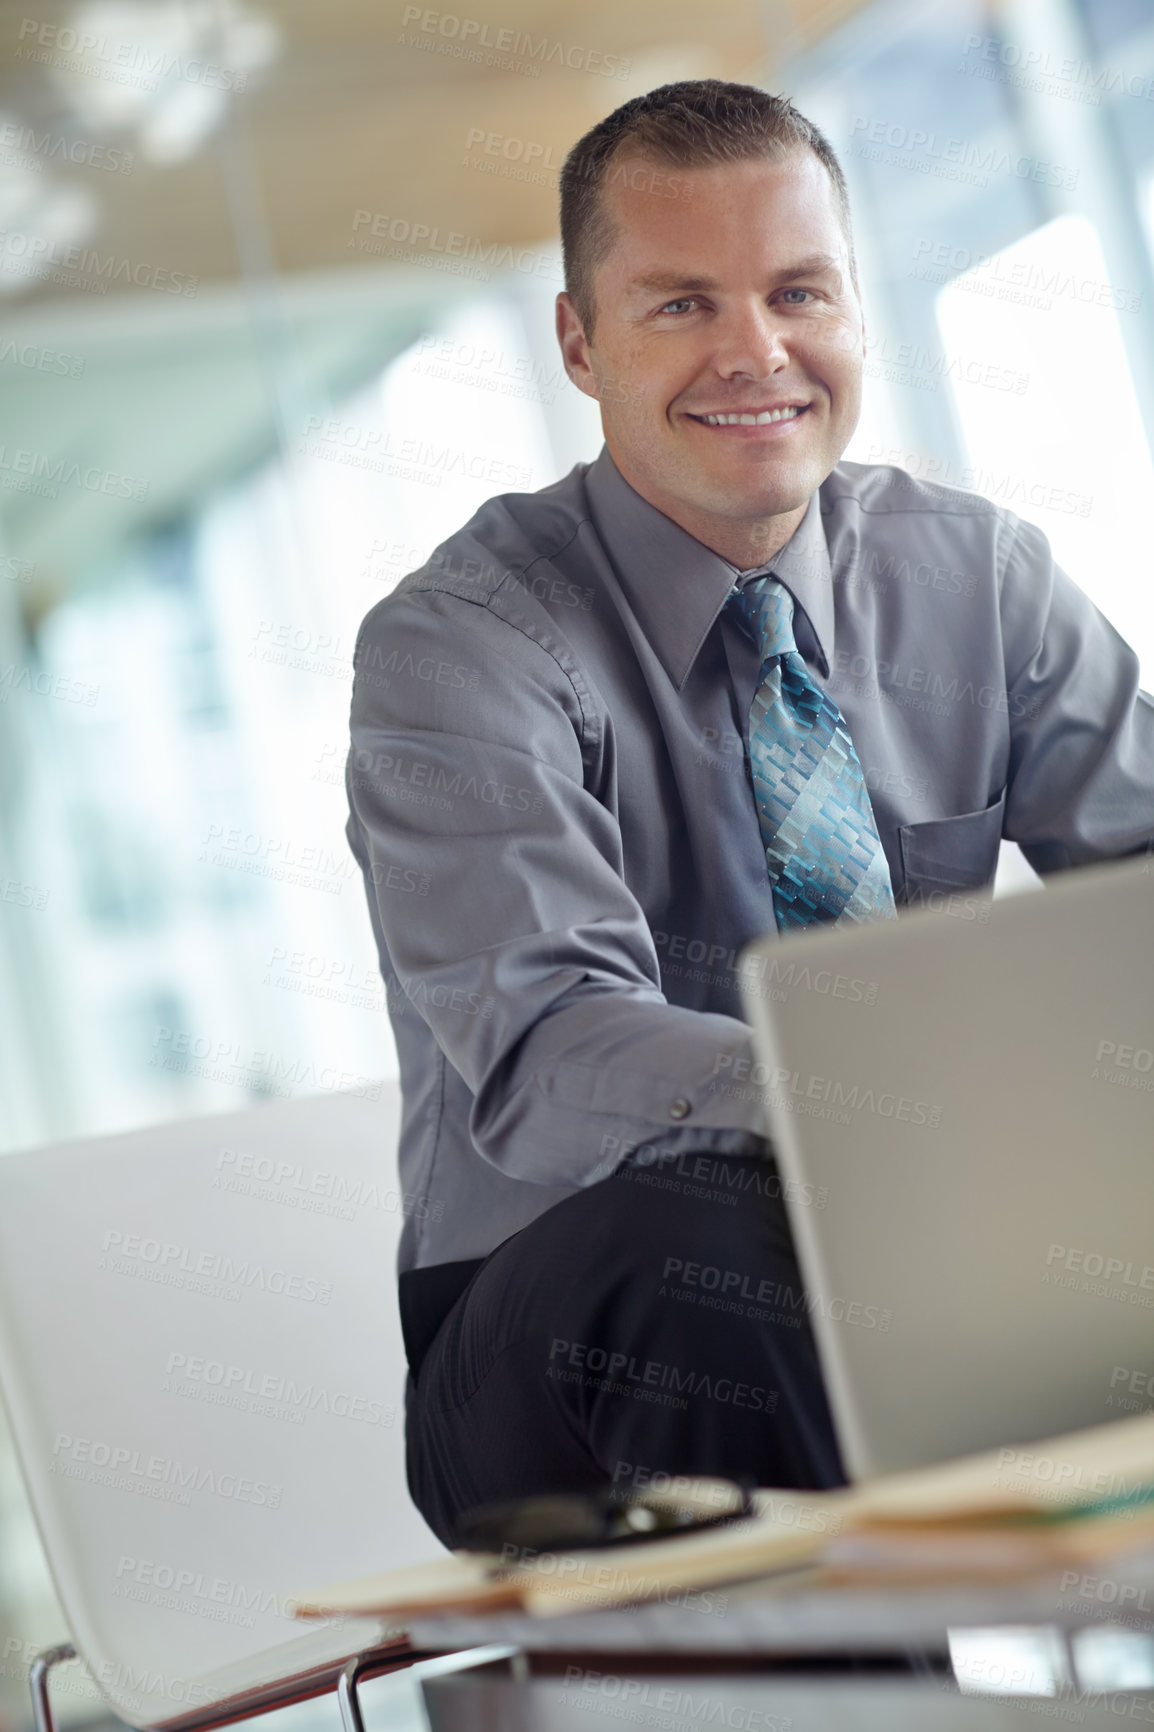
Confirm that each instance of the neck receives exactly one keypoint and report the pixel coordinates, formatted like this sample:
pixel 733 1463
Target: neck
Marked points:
pixel 763 543
pixel 745 545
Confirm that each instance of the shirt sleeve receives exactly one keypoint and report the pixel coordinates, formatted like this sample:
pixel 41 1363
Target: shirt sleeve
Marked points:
pixel 477 762
pixel 1081 776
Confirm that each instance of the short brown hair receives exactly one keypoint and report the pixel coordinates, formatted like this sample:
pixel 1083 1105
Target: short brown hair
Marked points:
pixel 691 124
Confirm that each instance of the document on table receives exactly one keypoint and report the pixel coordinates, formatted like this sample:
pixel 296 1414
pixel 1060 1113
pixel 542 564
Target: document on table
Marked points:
pixel 1011 1513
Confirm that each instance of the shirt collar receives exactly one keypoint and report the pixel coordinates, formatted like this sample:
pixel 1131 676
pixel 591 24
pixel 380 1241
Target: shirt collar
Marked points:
pixel 677 586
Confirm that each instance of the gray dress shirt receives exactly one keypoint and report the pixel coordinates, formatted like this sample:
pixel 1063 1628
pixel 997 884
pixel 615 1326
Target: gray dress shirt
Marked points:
pixel 551 805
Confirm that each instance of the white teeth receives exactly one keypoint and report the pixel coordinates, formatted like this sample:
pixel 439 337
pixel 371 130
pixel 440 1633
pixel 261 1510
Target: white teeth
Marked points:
pixel 762 420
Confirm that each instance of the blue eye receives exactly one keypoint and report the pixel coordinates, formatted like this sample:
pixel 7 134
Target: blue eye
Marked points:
pixel 686 301
pixel 798 292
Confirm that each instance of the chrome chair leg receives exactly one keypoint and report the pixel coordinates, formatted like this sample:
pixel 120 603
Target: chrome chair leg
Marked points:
pixel 38 1684
pixel 350 1706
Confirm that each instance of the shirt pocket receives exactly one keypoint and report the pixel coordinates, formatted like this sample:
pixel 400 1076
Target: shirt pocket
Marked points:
pixel 956 853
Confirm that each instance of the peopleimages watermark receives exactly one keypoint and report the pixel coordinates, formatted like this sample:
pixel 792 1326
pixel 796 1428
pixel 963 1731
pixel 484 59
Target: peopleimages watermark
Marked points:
pixel 299 646
pixel 1120 1596
pixel 501 46
pixel 232 1061
pixel 340 982
pixel 1139 1386
pixel 481 577
pixel 427 670
pixel 678 1168
pixel 412 241
pixel 1031 282
pixel 619 1372
pixel 630 1477
pixel 507 166
pixel 389 561
pixel 403 776
pixel 287 1179
pixel 425 783
pixel 367 445
pixel 532 163
pixel 867 568
pixel 739 1293
pixel 134 1684
pixel 23 147
pixel 784 1508
pixel 999 486
pixel 726 750
pixel 79 267
pixel 13 570
pixel 336 763
pixel 281 858
pixel 1117 1278
pixel 440 997
pixel 122 1467
pixel 906 684
pixel 675 949
pixel 1124 1064
pixel 917 147
pixel 176 1588
pixel 41 360
pixel 22 895
pixel 1097 1263
pixel 197 1377
pixel 1041 69
pixel 361 988
pixel 803 1092
pixel 44 473
pixel 19 1653
pixel 1072 1478
pixel 910 363
pixel 649 1702
pixel 484 366
pixel 576 1576
pixel 119 60
pixel 64 687
pixel 130 1252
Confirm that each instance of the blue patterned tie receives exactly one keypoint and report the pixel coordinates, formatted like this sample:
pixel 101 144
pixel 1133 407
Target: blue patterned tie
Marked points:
pixel 821 844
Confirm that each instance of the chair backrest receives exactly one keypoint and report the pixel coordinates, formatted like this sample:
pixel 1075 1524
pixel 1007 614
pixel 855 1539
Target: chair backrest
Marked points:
pixel 201 1357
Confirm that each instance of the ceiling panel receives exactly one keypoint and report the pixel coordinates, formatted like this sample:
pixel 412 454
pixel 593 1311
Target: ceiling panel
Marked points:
pixel 247 202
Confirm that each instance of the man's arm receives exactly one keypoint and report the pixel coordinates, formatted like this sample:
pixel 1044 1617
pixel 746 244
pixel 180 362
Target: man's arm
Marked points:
pixel 1081 775
pixel 474 751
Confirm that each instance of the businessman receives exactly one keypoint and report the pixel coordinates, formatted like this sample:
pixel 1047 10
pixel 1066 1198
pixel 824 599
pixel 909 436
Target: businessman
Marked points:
pixel 715 683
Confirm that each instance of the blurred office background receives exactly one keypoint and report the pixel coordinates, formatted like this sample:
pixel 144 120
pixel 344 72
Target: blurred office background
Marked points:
pixel 276 302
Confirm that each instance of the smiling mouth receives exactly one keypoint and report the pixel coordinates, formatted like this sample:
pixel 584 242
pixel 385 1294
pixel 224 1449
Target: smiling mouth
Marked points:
pixel 751 418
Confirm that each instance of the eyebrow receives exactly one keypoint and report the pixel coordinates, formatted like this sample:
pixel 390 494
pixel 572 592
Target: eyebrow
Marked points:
pixel 665 282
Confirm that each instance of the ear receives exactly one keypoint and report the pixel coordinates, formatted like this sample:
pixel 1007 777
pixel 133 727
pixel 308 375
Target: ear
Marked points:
pixel 574 348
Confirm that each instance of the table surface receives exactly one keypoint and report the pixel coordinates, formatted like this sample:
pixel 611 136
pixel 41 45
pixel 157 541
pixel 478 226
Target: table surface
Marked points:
pixel 582 1698
pixel 779 1615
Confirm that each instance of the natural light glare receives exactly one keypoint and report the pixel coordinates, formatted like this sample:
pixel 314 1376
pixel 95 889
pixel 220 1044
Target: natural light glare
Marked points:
pixel 457 437
pixel 1069 453
pixel 1009 1660
pixel 391 471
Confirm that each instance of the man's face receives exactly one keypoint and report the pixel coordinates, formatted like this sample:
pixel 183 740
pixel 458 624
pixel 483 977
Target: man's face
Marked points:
pixel 737 298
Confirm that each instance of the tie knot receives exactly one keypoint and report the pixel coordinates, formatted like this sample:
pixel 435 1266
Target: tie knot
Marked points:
pixel 767 607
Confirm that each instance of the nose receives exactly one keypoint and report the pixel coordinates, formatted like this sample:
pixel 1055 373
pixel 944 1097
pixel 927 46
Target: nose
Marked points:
pixel 751 341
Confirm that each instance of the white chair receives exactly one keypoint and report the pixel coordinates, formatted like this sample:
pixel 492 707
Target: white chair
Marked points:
pixel 202 1361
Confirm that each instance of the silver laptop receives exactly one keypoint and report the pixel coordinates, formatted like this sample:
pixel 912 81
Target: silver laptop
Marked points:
pixel 962 1104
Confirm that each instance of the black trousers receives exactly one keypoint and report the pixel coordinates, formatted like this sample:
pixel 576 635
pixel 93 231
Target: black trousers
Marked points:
pixel 652 1324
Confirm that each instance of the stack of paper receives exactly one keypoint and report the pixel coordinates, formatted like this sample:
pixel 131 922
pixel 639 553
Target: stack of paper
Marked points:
pixel 1026 1511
